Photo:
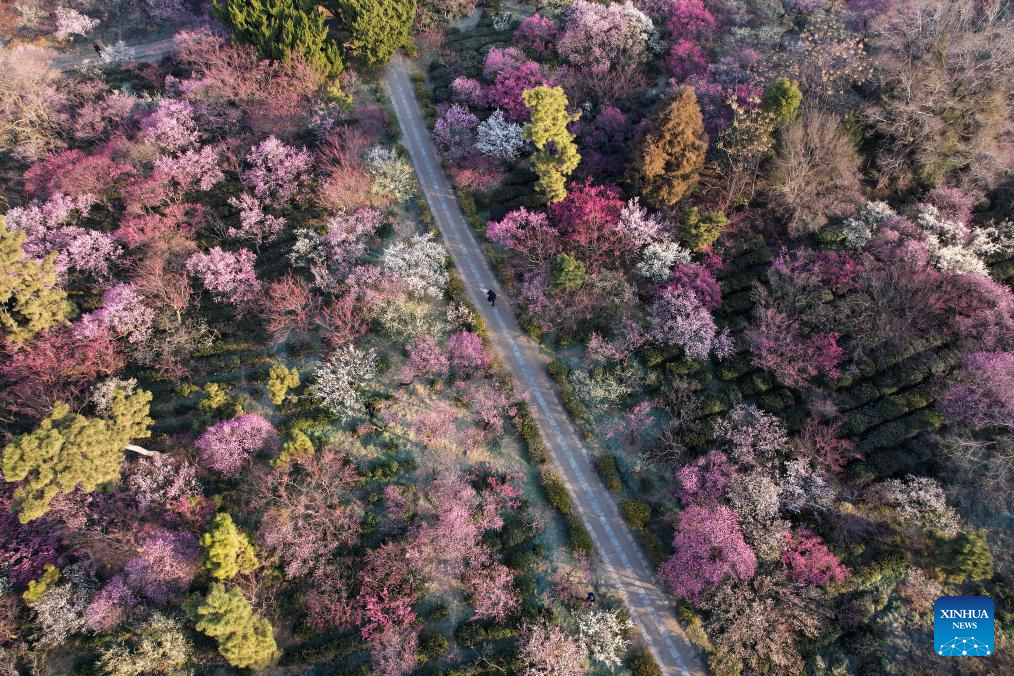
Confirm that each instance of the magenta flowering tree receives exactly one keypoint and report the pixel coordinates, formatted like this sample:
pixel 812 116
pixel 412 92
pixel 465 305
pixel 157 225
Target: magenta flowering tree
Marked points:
pixel 498 58
pixel 588 218
pixel 536 33
pixel 703 482
pixel 492 593
pixel 166 565
pixel 123 314
pixel 491 404
pixel 604 142
pixel 229 276
pixel 601 36
pixel 527 233
pixel 468 92
pixel 700 280
pixel 426 358
pixel 953 204
pixel 111 606
pixel 686 58
pixel 228 445
pixel 467 355
pixel 278 172
pixel 709 548
pixel 171 126
pixel 455 131
pixel 382 612
pixel 25 549
pixel 807 559
pixel 255 224
pixel 49 228
pixel 679 318
pixel 689 20
pixel 511 82
pixel 985 396
pixel 777 344
pixel 751 436
pixel 190 170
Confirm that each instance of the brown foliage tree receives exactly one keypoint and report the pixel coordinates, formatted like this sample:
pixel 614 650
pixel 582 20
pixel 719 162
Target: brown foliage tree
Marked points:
pixel 665 167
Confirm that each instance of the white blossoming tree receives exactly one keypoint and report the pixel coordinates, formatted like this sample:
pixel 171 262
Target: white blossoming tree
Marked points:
pixel 420 264
pixel 602 633
pixel 920 503
pixel 498 138
pixel 658 259
pixel 392 174
pixel 338 382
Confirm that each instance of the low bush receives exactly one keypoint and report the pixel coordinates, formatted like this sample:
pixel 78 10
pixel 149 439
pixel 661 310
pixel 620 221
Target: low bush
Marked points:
pixel 606 466
pixel 637 512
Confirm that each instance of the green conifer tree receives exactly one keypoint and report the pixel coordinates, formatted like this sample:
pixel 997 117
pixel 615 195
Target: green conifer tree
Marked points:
pixel 377 28
pixel 556 154
pixel 245 640
pixel 69 451
pixel 567 273
pixel 227 551
pixel 281 28
pixel 30 298
pixel 665 167
pixel 280 381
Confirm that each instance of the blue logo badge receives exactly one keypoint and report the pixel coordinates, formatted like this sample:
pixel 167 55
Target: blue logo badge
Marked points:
pixel 963 626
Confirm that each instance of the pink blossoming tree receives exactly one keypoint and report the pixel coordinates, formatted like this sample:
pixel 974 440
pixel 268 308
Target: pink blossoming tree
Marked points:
pixel 807 559
pixel 228 445
pixel 229 276
pixel 709 548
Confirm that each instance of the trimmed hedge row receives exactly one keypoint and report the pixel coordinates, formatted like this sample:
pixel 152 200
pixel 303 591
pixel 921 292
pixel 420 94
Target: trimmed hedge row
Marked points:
pixel 551 484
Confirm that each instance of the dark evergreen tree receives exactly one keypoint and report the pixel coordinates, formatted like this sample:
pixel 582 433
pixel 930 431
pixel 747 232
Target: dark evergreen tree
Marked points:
pixel 281 28
pixel 377 28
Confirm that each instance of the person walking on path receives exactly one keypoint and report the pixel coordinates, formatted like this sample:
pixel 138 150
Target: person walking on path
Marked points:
pixel 491 297
pixel 97 46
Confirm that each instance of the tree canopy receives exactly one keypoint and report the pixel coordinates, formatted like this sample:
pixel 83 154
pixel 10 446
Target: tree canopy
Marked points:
pixel 69 451
pixel 665 168
pixel 281 28
pixel 30 298
pixel 377 28
pixel 556 154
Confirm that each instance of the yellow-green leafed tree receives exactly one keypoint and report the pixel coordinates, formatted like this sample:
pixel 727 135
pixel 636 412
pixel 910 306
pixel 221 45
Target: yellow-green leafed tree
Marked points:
pixel 69 451
pixel 31 300
pixel 556 155
pixel 227 551
pixel 245 640
pixel 665 167
pixel 280 381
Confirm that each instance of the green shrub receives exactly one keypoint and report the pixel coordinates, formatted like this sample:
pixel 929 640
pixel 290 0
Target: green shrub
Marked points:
pixel 559 498
pixel 558 371
pixel 641 663
pixel 606 466
pixel 637 512
pixel 432 647
pixel 529 431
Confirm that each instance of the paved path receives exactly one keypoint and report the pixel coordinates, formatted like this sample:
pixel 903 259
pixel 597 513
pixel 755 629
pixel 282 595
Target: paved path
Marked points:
pixel 148 51
pixel 632 576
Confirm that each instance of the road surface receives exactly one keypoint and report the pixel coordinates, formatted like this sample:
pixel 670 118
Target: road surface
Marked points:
pixel 632 576
pixel 148 51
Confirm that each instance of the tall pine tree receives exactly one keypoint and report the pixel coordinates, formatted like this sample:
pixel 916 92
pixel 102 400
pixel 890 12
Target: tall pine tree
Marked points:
pixel 30 298
pixel 377 28
pixel 665 167
pixel 281 28
pixel 555 155
pixel 69 451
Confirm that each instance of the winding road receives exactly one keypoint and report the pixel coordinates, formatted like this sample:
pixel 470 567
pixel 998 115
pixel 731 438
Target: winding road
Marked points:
pixel 633 577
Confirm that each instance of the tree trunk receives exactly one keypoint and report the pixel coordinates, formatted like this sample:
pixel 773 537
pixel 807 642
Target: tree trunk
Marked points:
pixel 142 451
